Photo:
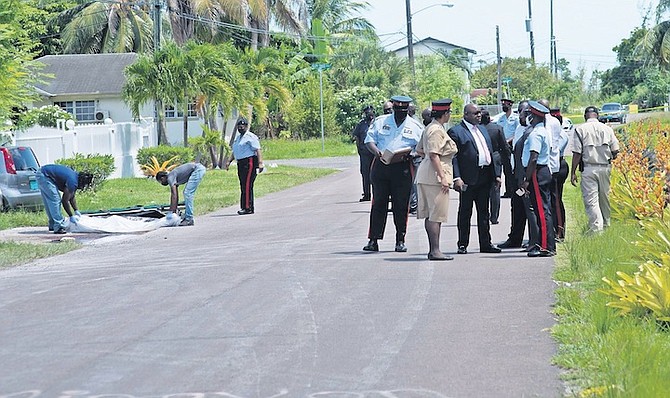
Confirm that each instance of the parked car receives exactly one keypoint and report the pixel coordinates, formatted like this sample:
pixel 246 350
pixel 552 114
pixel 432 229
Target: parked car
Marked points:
pixel 612 112
pixel 18 181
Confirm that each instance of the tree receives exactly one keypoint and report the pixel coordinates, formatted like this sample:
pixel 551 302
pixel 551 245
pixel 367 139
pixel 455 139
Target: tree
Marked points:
pixel 529 79
pixel 100 27
pixel 437 78
pixel 288 15
pixel 17 71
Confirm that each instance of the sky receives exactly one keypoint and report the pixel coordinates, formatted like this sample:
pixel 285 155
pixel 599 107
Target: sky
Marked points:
pixel 585 30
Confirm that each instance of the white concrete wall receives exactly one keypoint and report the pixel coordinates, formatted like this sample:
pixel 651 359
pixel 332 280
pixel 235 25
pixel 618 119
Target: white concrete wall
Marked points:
pixel 121 140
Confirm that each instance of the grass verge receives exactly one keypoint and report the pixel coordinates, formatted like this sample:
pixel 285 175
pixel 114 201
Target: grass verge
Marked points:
pixel 604 355
pixel 14 253
pixel 294 149
pixel 218 189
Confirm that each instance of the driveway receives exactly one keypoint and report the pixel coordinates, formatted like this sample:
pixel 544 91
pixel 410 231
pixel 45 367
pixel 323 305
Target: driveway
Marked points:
pixel 282 303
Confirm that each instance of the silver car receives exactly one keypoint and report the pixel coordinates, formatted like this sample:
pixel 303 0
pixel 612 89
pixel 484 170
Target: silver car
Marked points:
pixel 18 184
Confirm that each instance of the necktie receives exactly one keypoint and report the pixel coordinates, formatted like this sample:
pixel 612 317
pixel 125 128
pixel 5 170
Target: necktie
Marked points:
pixel 482 142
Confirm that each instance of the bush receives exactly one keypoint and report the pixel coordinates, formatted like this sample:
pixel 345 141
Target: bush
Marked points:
pixel 163 153
pixel 304 114
pixel 351 102
pixel 101 166
pixel 45 116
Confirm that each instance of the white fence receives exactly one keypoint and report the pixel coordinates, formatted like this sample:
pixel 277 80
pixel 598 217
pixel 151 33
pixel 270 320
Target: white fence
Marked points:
pixel 121 140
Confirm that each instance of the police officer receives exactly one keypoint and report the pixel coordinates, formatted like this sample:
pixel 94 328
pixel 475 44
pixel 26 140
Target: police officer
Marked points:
pixel 595 145
pixel 364 155
pixel 247 152
pixel 537 183
pixel 393 132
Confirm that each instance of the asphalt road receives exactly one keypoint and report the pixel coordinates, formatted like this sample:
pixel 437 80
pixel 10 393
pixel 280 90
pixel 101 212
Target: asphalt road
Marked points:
pixel 282 303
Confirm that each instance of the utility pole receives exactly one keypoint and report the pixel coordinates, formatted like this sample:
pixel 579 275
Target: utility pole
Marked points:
pixel 552 46
pixel 499 58
pixel 529 29
pixel 410 41
pixel 158 104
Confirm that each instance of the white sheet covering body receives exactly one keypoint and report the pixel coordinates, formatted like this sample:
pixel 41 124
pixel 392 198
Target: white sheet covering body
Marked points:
pixel 119 224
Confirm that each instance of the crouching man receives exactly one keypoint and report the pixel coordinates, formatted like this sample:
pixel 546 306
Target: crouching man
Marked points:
pixel 55 178
pixel 190 174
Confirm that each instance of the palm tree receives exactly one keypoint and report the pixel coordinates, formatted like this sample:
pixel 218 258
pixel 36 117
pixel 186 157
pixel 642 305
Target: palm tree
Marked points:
pixel 152 78
pixel 98 27
pixel 341 18
pixel 289 15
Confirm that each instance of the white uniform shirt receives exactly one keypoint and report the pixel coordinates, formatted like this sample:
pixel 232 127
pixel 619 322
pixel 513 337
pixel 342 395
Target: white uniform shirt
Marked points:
pixel 554 129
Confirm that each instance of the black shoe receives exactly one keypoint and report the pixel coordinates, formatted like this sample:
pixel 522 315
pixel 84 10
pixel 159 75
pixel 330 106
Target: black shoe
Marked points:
pixel 509 245
pixel 364 199
pixel 506 196
pixel 245 211
pixel 534 252
pixel 400 247
pixel 494 222
pixel 490 249
pixel 51 229
pixel 186 222
pixel 546 253
pixel 443 257
pixel 60 231
pixel 372 246
pixel 462 250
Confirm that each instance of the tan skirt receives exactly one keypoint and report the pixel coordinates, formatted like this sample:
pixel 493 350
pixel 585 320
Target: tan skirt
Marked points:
pixel 432 203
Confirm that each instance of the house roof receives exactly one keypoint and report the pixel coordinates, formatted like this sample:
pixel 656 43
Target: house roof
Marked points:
pixel 429 40
pixel 76 74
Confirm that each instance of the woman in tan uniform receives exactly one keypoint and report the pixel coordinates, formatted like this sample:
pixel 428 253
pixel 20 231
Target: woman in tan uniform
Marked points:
pixel 435 176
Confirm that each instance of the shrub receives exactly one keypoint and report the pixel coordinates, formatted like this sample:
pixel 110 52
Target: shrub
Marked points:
pixel 45 116
pixel 645 292
pixel 351 102
pixel 101 166
pixel 304 114
pixel 164 153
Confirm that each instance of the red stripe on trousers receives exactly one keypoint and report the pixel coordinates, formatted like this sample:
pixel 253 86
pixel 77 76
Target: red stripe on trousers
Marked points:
pixel 540 209
pixel 247 185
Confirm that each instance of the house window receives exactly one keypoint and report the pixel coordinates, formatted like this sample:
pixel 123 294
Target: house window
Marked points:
pixel 171 112
pixel 83 111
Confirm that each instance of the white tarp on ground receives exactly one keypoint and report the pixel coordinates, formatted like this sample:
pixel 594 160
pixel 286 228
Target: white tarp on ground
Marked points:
pixel 119 224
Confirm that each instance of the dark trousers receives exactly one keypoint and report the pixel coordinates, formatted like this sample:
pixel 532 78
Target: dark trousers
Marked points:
pixel 246 172
pixel 495 203
pixel 510 182
pixel 557 206
pixel 365 163
pixel 477 194
pixel 540 200
pixel 518 226
pixel 394 181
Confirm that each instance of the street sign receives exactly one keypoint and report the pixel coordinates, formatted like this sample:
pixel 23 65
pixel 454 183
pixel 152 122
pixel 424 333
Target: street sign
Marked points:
pixel 506 80
pixel 319 66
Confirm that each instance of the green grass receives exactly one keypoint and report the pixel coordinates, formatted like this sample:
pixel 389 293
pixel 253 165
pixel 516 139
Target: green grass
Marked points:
pixel 293 149
pixel 604 354
pixel 218 189
pixel 14 253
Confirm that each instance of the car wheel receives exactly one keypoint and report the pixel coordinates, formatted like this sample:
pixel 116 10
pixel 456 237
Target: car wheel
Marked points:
pixel 4 207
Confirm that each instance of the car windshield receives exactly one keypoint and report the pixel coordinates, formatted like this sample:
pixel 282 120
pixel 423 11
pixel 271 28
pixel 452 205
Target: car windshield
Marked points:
pixel 611 107
pixel 24 160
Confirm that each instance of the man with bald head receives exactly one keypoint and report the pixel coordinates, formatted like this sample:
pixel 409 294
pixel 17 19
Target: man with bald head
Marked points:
pixel 474 175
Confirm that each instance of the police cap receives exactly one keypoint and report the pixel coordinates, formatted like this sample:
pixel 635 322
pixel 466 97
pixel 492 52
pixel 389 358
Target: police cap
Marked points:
pixel 506 101
pixel 591 109
pixel 537 108
pixel 441 105
pixel 368 108
pixel 401 98
pixel 242 121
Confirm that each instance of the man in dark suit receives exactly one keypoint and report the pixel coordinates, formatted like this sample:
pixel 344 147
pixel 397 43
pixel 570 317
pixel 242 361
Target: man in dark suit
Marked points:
pixel 474 174
pixel 500 152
